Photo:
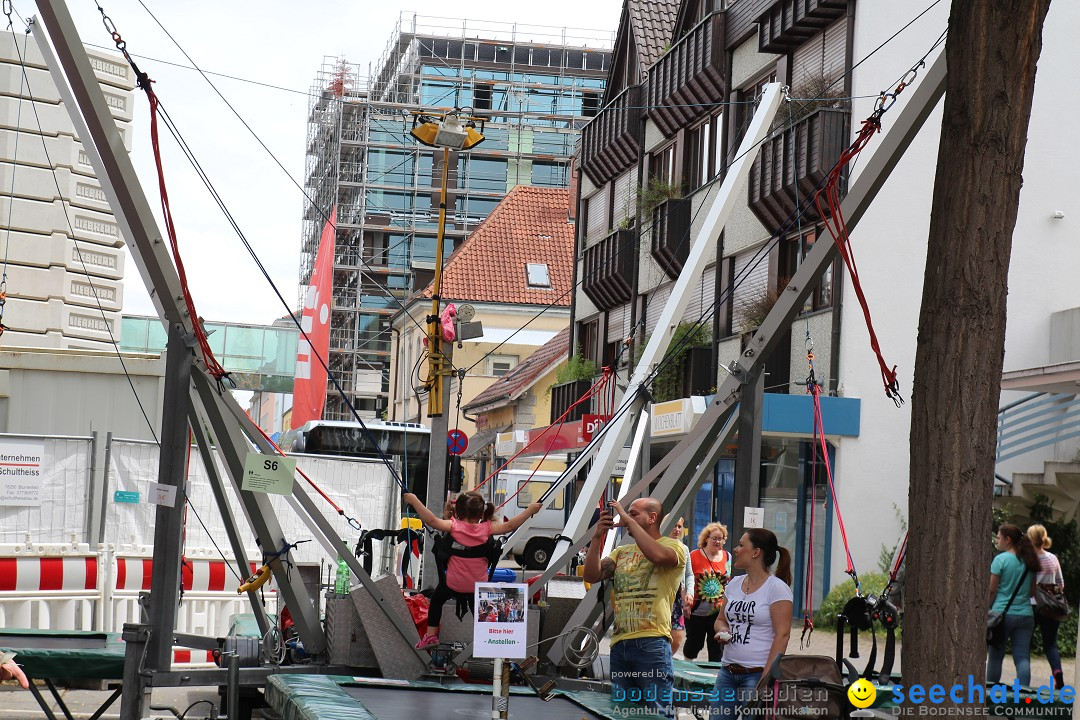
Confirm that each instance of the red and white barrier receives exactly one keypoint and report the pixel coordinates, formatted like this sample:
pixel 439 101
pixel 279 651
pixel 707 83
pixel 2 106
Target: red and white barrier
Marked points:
pixel 68 587
pixel 49 587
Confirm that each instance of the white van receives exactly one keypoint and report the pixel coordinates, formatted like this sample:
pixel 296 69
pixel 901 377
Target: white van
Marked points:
pixel 533 547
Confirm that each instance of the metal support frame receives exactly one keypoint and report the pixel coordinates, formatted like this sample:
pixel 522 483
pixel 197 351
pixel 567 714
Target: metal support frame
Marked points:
pixel 685 465
pixel 748 456
pixel 617 431
pixel 169 520
pixel 234 432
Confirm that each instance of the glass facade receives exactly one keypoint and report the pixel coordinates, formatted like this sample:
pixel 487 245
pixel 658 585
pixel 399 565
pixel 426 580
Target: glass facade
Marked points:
pixel 257 357
pixel 531 98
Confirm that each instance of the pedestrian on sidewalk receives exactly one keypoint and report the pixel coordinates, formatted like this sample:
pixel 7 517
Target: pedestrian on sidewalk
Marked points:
pixel 1012 580
pixel 755 624
pixel 709 563
pixel 1049 576
pixel 678 609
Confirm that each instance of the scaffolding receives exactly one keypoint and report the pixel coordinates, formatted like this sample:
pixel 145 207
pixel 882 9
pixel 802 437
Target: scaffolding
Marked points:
pixel 534 86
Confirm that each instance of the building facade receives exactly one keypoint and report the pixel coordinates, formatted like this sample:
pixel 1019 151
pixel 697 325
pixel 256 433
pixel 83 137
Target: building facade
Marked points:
pixel 516 271
pixel 533 87
pixel 63 259
pixel 684 82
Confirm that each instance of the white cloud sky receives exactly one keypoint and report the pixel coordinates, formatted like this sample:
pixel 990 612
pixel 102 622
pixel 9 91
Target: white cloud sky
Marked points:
pixel 280 44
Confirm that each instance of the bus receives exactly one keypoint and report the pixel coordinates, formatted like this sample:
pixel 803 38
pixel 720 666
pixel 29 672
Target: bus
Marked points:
pixel 406 445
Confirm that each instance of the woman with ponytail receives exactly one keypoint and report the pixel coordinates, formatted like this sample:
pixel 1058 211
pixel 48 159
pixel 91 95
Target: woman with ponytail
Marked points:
pixel 1012 580
pixel 1049 576
pixel 755 623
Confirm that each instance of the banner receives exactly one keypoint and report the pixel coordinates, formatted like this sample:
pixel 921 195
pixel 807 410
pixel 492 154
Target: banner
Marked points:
pixel 21 468
pixel 309 389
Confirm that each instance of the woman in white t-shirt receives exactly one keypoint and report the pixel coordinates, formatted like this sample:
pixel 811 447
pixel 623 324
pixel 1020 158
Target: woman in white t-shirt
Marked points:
pixel 755 624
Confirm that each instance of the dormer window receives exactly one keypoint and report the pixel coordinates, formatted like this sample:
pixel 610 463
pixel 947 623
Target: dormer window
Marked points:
pixel 537 275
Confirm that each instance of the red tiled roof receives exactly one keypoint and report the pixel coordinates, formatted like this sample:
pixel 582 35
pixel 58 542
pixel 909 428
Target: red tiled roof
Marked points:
pixel 530 225
pixel 522 377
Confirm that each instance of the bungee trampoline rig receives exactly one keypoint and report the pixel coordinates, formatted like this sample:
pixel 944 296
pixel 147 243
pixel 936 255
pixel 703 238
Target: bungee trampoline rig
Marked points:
pixel 361 662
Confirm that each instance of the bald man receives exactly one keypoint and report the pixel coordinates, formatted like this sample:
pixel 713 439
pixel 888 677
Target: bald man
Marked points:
pixel 646 576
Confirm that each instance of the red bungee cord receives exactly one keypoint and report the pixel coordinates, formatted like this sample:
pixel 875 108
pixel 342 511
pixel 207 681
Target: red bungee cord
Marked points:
pixel 827 202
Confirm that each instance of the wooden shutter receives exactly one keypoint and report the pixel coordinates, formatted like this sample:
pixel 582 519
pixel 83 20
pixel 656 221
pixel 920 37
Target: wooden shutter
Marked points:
pixel 655 305
pixel 618 326
pixel 702 297
pixel 821 56
pixel 625 198
pixel 596 216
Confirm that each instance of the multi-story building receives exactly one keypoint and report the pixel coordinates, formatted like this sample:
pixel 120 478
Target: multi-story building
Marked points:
pixel 61 248
pixel 533 87
pixel 685 77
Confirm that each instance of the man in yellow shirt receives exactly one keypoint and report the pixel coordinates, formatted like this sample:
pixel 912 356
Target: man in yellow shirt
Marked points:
pixel 646 576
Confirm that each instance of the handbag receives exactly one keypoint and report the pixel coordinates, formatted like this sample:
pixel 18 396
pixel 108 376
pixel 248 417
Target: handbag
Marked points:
pixel 1050 602
pixel 995 621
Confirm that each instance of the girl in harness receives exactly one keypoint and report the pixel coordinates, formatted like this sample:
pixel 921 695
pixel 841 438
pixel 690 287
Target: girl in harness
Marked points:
pixel 470 554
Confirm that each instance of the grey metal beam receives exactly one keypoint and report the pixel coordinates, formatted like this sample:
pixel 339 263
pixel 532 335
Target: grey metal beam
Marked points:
pixel 232 530
pixel 169 519
pixel 748 455
pixel 90 115
pixel 234 448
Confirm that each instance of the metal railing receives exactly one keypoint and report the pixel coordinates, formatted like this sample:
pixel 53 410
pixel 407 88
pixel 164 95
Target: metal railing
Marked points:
pixel 1036 421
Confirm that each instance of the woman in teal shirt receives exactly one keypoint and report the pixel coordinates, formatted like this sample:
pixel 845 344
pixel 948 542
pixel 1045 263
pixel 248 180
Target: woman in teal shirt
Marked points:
pixel 1007 576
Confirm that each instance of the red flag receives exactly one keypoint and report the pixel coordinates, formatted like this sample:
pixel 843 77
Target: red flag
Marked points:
pixel 309 387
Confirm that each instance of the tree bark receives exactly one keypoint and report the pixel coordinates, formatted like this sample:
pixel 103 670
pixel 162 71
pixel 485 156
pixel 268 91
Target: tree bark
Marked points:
pixel 992 50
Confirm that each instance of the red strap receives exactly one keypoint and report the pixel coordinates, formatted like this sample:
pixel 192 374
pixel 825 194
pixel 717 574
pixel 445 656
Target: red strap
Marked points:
pixel 592 391
pixel 819 436
pixel 212 365
pixel 827 202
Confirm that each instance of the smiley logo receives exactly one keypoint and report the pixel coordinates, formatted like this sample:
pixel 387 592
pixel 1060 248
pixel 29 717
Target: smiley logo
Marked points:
pixel 862 693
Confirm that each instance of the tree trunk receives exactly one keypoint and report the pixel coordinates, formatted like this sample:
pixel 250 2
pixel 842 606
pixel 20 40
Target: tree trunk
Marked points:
pixel 992 50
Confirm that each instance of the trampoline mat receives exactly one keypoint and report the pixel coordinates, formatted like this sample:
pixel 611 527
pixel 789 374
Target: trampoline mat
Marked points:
pixel 401 703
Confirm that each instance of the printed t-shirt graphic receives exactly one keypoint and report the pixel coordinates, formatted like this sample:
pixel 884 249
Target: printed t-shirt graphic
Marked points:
pixel 644 593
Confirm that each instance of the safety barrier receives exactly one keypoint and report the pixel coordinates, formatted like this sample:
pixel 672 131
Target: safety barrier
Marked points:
pixel 70 587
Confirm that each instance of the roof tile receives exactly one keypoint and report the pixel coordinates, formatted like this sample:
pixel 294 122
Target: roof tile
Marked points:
pixel 653 22
pixel 530 225
pixel 526 373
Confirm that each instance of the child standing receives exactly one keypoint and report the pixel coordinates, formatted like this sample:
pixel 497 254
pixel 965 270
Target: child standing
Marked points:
pixel 471 526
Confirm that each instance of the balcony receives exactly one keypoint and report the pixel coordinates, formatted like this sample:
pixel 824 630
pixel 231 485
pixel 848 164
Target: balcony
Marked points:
pixel 786 24
pixel 812 146
pixel 688 80
pixel 609 143
pixel 671 235
pixel 692 374
pixel 608 270
pixel 565 395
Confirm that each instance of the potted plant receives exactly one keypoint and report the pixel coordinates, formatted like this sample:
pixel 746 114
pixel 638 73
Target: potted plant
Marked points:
pixel 572 380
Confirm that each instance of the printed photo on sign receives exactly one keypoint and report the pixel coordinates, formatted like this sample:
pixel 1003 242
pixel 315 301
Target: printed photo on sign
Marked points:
pixel 501 605
pixel 500 627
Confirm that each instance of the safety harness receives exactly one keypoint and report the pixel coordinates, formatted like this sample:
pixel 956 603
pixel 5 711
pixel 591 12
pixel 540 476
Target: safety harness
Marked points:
pixel 444 547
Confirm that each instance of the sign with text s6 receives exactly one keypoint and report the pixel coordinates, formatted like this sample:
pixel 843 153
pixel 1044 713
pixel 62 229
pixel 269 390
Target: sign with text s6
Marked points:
pixel 268 474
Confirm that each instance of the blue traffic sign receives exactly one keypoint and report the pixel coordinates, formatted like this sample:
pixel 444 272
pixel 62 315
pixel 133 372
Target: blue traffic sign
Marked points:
pixel 457 442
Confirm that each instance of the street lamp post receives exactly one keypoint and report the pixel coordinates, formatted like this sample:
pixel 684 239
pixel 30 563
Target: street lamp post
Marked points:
pixel 446 133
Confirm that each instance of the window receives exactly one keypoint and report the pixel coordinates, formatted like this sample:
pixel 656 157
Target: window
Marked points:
pixel 793 249
pixel 662 164
pixel 590 104
pixel 702 161
pixel 537 274
pixel 748 98
pixel 481 97
pixel 587 336
pixel 531 491
pixel 499 365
